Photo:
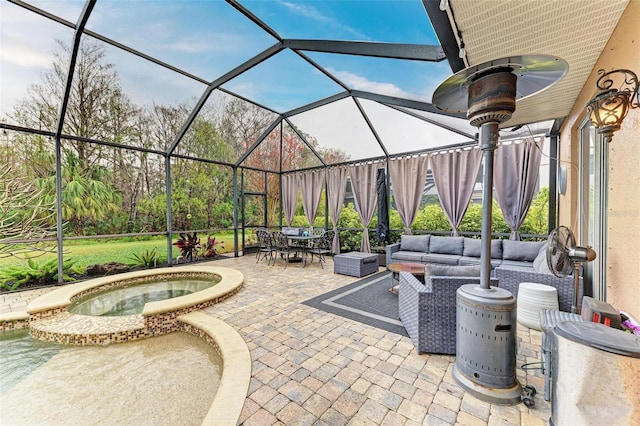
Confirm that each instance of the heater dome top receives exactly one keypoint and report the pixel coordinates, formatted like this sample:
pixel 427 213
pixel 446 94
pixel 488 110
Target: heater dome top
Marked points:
pixel 534 73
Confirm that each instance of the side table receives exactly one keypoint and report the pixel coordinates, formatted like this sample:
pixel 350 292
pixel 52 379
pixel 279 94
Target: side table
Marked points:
pixel 414 268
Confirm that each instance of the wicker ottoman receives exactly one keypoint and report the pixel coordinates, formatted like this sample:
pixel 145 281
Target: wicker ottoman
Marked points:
pixel 355 264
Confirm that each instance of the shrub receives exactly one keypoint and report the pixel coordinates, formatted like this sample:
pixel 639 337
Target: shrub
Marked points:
pixel 188 245
pixel 210 250
pixel 146 258
pixel 37 273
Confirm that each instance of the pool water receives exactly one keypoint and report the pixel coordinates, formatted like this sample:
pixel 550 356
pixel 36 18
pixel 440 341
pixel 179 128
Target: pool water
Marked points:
pixel 165 380
pixel 130 300
pixel 20 355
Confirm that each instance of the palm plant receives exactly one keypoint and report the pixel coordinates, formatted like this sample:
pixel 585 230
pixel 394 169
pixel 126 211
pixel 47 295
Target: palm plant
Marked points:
pixel 39 273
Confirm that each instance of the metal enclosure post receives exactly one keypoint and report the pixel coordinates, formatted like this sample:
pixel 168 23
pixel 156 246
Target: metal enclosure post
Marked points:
pixel 168 189
pixel 77 36
pixel 235 211
pixel 265 199
pixel 59 228
pixel 553 182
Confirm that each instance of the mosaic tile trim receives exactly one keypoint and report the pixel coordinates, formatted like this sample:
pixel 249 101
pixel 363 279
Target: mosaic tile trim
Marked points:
pixel 14 324
pixel 168 322
pixel 67 328
pixel 204 336
pixel 36 316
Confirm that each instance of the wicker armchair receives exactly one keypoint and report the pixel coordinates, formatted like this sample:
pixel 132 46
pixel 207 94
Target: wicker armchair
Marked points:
pixel 510 279
pixel 428 311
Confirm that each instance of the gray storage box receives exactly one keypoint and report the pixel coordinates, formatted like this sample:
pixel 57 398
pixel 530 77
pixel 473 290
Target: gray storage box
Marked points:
pixel 355 264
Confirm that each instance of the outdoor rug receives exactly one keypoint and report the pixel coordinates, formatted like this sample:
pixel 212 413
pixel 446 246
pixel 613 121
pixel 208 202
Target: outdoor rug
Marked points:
pixel 367 300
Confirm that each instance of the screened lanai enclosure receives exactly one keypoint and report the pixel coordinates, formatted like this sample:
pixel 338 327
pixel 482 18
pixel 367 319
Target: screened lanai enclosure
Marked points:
pixel 148 120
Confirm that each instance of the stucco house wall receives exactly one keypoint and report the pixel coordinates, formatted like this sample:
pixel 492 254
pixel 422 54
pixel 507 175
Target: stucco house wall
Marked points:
pixel 623 217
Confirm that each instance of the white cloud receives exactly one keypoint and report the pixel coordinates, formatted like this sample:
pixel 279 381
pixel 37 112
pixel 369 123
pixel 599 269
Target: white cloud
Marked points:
pixel 362 83
pixel 27 42
pixel 311 12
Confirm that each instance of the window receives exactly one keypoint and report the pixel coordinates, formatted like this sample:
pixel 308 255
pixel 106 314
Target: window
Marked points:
pixel 592 214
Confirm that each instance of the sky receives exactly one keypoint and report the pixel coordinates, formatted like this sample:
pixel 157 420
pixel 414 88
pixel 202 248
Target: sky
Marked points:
pixel 209 38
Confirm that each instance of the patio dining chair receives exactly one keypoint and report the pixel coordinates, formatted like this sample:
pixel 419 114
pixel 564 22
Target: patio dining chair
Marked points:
pixel 322 247
pixel 280 244
pixel 265 246
pixel 318 231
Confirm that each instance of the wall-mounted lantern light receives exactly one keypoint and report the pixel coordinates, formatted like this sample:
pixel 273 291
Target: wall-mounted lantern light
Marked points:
pixel 610 106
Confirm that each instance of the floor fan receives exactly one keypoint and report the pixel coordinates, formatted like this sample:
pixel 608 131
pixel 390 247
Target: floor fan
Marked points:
pixel 565 257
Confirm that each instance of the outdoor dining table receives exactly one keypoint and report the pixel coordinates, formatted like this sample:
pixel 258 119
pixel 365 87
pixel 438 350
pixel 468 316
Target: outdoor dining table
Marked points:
pixel 302 242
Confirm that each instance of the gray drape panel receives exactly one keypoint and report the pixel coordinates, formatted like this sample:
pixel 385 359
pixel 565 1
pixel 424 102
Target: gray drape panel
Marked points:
pixel 311 187
pixel 363 182
pixel 289 196
pixel 454 174
pixel 408 176
pixel 336 186
pixel 516 171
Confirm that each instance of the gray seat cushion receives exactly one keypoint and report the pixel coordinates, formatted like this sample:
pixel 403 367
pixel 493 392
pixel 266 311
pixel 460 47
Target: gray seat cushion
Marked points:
pixel 407 256
pixel 448 259
pixel 527 266
pixel 465 260
pixel 366 257
pixel 437 270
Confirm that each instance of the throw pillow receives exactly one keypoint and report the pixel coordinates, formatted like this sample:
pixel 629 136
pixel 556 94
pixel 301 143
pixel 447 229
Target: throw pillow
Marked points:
pixel 540 263
pixel 414 243
pixel 521 250
pixel 438 270
pixel 472 248
pixel 446 245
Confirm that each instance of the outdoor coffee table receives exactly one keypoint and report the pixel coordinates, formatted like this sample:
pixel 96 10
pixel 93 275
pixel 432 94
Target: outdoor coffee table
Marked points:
pixel 413 268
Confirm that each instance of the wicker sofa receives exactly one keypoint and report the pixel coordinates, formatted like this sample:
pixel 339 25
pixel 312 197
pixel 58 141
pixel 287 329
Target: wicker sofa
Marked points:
pixel 461 251
pixel 428 311
pixel 512 262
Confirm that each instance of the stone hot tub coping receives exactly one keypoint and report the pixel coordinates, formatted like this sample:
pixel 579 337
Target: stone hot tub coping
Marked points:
pixel 59 299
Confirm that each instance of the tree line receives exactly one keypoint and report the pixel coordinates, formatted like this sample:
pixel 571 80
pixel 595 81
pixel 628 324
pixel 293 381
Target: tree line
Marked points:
pixel 108 189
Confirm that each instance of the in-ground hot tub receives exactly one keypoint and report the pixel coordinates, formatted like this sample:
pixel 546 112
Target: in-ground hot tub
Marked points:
pixel 50 318
pixel 131 299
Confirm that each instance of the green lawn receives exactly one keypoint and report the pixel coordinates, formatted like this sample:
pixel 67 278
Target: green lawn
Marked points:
pixel 91 252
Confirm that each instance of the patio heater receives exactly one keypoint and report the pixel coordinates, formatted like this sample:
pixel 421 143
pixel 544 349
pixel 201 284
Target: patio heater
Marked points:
pixel 486 316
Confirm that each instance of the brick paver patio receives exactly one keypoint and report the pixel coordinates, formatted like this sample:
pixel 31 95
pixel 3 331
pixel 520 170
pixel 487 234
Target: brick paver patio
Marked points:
pixel 310 367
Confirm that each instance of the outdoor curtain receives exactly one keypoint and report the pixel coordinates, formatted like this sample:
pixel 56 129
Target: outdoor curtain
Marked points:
pixel 516 170
pixel 289 196
pixel 454 174
pixel 363 182
pixel 408 176
pixel 311 187
pixel 337 187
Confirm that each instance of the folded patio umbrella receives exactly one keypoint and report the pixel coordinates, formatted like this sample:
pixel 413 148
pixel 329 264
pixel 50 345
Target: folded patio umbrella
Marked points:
pixel 382 229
